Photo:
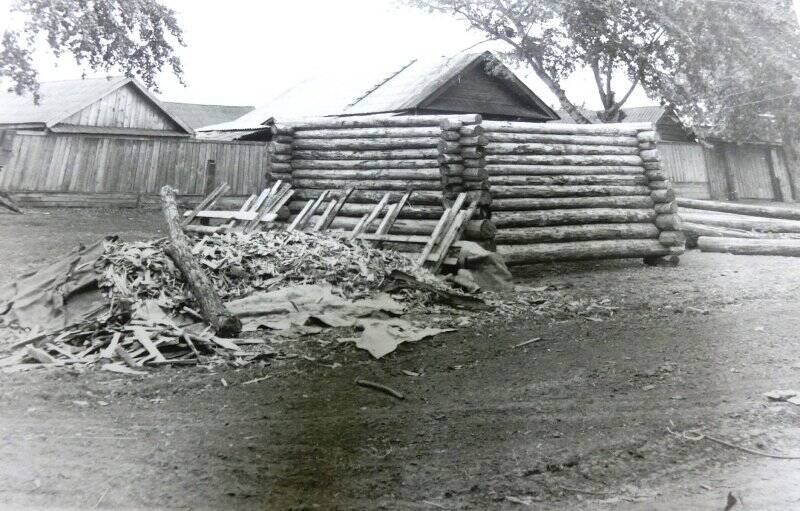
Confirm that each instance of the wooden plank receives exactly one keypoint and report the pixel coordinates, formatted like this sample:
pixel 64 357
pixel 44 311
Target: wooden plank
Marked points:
pixel 435 236
pixel 300 215
pixel 324 218
pixel 363 226
pixel 206 203
pixel 304 221
pixel 339 205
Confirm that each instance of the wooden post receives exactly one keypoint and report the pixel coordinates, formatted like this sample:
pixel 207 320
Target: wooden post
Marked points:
pixel 211 177
pixel 211 307
pixel 777 191
pixel 730 181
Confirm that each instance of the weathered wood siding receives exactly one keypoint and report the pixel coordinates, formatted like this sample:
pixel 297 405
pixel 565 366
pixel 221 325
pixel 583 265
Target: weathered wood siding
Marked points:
pixel 82 163
pixel 474 91
pixel 716 168
pixel 750 168
pixel 684 164
pixel 124 108
pixel 6 139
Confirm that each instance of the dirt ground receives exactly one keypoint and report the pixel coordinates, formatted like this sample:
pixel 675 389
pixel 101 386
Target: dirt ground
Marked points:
pixel 578 420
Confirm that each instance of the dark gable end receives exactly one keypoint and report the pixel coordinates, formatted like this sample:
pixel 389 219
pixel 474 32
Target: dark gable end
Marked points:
pixel 494 96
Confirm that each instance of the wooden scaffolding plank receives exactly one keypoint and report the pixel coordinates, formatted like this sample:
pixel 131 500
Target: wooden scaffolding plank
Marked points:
pixel 339 205
pixel 365 222
pixel 300 215
pixel 208 202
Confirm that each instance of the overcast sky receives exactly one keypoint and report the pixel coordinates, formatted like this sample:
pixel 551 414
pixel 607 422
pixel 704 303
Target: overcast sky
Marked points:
pixel 245 52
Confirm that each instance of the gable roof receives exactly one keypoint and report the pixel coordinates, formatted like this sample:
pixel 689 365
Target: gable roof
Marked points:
pixel 374 90
pixel 61 99
pixel 198 115
pixel 421 81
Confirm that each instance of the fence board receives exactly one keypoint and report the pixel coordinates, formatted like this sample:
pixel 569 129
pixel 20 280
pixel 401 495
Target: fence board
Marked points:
pixel 751 171
pixel 87 164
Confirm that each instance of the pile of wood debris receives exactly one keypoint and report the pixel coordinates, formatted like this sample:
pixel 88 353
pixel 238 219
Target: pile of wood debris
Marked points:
pixel 125 305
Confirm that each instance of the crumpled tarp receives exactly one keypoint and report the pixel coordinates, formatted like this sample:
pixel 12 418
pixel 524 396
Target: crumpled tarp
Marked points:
pixel 57 295
pixel 299 306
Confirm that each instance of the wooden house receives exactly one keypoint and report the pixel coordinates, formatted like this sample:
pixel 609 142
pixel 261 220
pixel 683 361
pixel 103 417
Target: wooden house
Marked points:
pixel 468 83
pixel 109 141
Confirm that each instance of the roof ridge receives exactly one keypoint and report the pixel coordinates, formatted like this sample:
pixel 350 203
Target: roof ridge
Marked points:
pixel 379 84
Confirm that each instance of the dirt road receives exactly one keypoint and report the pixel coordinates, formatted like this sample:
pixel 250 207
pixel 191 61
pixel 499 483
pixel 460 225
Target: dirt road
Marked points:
pixel 578 420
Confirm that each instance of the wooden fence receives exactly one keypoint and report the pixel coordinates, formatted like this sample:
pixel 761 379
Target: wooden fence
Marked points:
pixel 724 171
pixel 90 167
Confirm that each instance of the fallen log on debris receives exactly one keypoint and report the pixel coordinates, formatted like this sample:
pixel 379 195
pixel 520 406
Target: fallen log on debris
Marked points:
pixel 745 223
pixel 742 209
pixel 211 307
pixel 743 246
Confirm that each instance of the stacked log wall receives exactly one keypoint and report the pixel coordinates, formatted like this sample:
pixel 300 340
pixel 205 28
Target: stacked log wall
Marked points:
pixel 563 192
pixel 379 155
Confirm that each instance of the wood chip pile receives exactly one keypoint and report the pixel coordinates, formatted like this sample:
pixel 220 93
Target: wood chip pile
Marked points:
pixel 132 307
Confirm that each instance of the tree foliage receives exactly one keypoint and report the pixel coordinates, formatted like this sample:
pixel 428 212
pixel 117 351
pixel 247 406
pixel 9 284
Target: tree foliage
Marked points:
pixel 556 37
pixel 137 37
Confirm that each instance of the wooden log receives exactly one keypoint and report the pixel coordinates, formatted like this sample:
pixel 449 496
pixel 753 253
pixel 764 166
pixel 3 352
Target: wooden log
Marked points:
pixel 650 155
pixel 510 192
pixel 672 238
pixel 419 197
pixel 527 235
pixel 281 129
pixel 629 129
pixel 179 250
pixel 560 149
pixel 693 230
pixel 416 121
pixel 369 184
pixel 283 139
pixel 647 136
pixel 549 138
pixel 544 170
pixel 448 158
pixel 581 250
pixel 474 174
pixel 280 158
pixel 473 163
pixel 744 246
pixel 276 148
pixel 449 147
pixel 361 133
pixel 476 140
pixel 655 175
pixel 367 144
pixel 742 209
pixel 390 154
pixel 505 219
pixel 659 184
pixel 625 201
pixel 746 223
pixel 281 167
pixel 418 212
pixel 432 173
pixel 663 195
pixel 365 164
pixel 666 208
pixel 471 131
pixel 476 230
pixel 580 159
pixel 652 165
pixel 668 222
pixel 453 123
pixel 597 179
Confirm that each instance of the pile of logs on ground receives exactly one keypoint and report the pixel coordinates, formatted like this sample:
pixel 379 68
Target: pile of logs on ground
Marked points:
pixel 737 228
pixel 437 157
pixel 563 192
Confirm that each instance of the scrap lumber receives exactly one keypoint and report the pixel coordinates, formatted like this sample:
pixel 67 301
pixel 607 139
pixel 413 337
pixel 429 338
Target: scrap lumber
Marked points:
pixel 8 203
pixel 742 209
pixel 211 307
pixel 744 246
pixel 207 202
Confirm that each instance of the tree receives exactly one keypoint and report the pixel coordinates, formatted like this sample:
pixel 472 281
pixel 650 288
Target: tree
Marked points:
pixel 556 37
pixel 735 70
pixel 135 36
